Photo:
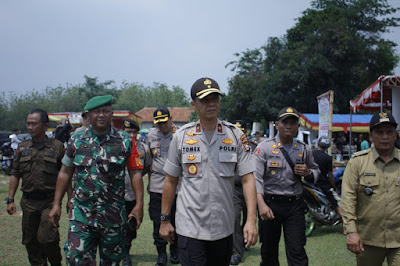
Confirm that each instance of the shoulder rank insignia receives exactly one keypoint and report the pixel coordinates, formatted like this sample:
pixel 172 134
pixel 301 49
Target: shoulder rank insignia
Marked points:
pixel 275 151
pixel 191 157
pixel 192 169
pixel 191 141
pixel 219 128
pixel 190 133
pixel 198 128
pixel 227 141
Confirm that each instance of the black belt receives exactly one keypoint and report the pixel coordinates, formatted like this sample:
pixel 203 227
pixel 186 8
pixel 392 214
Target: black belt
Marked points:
pixel 38 196
pixel 281 198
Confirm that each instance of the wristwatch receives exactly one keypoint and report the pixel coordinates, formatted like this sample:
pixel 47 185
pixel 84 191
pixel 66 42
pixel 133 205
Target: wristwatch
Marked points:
pixel 164 217
pixel 9 200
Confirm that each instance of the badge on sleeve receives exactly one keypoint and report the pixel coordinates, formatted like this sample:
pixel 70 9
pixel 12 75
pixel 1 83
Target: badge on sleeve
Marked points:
pixel 245 142
pixel 258 151
pixel 192 169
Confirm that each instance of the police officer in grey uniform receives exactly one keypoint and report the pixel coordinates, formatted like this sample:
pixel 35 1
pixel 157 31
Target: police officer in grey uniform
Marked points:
pixel 132 128
pixel 281 162
pixel 158 141
pixel 204 157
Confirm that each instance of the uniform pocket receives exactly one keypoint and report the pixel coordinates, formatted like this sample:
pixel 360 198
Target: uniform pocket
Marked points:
pixel 274 166
pixel 51 165
pixel 369 185
pixel 25 163
pixel 191 164
pixel 228 161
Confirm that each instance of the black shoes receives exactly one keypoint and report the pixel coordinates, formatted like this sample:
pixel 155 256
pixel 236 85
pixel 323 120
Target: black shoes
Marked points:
pixel 162 259
pixel 174 259
pixel 235 259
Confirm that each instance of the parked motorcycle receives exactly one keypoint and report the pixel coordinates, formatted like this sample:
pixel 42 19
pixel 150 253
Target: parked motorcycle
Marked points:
pixel 7 157
pixel 319 212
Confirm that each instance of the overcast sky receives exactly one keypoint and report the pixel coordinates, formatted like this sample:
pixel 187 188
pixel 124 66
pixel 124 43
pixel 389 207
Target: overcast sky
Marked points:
pixel 46 43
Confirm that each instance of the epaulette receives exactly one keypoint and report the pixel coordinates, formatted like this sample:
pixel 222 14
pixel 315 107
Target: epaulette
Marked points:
pixel 361 153
pixel 301 142
pixel 228 124
pixel 185 126
pixel 268 139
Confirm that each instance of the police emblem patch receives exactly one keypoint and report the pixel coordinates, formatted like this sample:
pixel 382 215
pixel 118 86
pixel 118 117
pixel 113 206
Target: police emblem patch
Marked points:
pixel 245 142
pixel 227 141
pixel 273 172
pixel 191 157
pixel 191 141
pixel 192 169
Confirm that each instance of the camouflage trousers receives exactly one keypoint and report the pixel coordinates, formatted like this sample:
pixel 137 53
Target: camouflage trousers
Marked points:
pixel 39 237
pixel 83 240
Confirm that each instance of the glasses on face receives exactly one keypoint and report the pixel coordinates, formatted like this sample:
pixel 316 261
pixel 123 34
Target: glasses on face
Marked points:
pixel 106 111
pixel 213 98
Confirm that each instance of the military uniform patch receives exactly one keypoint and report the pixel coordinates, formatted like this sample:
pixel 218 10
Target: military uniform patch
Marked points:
pixel 191 141
pixel 227 141
pixel 192 169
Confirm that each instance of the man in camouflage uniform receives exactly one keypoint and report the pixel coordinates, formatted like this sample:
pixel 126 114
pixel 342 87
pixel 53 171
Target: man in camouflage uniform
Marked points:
pixel 97 158
pixel 132 128
pixel 158 140
pixel 37 162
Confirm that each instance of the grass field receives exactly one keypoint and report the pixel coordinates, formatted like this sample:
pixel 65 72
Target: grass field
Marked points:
pixel 326 246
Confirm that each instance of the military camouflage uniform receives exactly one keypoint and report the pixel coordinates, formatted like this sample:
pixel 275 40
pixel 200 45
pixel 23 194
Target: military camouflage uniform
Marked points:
pixel 98 214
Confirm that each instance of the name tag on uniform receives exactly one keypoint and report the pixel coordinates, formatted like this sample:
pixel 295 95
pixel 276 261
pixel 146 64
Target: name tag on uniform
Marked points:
pixel 369 174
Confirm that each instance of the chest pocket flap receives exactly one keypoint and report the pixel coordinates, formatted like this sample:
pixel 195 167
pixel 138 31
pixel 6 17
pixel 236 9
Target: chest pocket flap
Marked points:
pixel 369 179
pixel 191 158
pixel 227 157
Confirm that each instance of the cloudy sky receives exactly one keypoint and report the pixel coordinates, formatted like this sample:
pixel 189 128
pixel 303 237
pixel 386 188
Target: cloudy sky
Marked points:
pixel 50 43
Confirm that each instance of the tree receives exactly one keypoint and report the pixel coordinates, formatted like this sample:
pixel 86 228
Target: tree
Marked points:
pixel 336 45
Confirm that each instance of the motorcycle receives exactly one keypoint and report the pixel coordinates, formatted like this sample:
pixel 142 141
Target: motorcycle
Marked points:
pixel 7 157
pixel 319 212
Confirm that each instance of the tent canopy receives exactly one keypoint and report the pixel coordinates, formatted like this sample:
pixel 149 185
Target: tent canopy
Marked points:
pixel 371 98
pixel 341 122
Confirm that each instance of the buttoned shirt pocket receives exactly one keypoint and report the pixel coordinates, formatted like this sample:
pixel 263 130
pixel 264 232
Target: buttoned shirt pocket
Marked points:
pixel 25 161
pixel 116 166
pixel 274 167
pixel 191 164
pixel 228 161
pixel 51 166
pixel 369 185
pixel 155 148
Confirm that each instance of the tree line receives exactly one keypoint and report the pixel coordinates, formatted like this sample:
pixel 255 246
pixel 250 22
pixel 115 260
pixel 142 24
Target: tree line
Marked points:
pixel 335 45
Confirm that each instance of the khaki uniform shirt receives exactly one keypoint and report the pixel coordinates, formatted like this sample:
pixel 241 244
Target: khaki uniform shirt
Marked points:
pixel 375 217
pixel 159 145
pixel 145 158
pixel 204 208
pixel 274 176
pixel 38 167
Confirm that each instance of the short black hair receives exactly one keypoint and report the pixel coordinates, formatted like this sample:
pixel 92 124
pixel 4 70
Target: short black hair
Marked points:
pixel 44 117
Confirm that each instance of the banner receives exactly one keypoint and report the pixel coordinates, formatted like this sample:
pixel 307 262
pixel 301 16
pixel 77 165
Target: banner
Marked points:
pixel 324 114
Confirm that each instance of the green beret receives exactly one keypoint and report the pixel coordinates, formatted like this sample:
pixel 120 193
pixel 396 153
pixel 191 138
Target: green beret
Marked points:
pixel 97 102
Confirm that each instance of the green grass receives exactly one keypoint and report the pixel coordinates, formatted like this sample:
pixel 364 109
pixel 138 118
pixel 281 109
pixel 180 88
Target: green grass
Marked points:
pixel 327 246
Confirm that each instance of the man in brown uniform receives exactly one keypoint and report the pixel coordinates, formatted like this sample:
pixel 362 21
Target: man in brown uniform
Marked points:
pixel 37 162
pixel 371 197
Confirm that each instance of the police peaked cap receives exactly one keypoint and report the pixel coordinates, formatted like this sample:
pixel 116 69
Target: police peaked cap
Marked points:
pixel 98 101
pixel 381 118
pixel 287 112
pixel 128 123
pixel 161 114
pixel 204 87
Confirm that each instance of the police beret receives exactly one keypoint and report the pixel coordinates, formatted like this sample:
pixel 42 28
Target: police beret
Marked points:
pixel 128 123
pixel 287 112
pixel 98 101
pixel 240 124
pixel 203 87
pixel 161 114
pixel 381 118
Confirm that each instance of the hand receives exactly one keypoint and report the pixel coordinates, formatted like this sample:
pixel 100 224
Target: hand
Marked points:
pixel 301 169
pixel 354 243
pixel 265 212
pixel 137 212
pixel 167 231
pixel 54 215
pixel 11 209
pixel 250 234
pixel 68 206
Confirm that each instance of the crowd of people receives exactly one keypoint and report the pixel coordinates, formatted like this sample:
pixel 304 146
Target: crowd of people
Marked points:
pixel 207 185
